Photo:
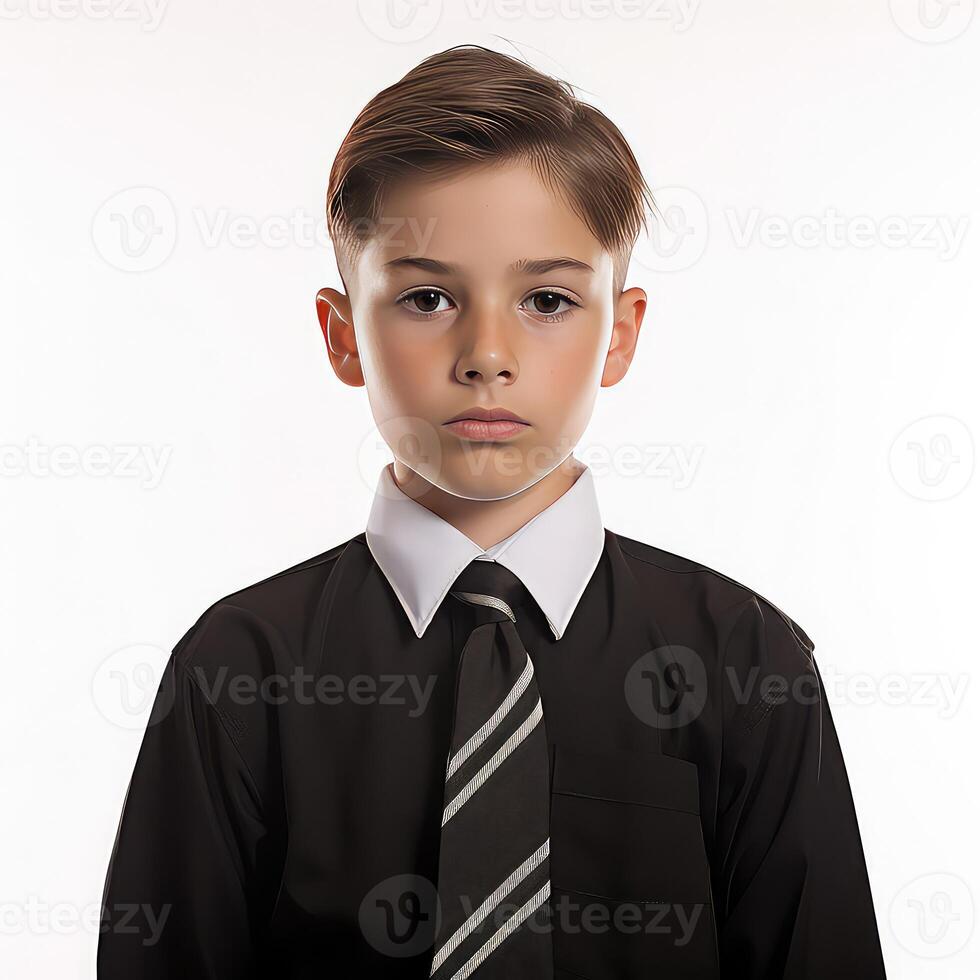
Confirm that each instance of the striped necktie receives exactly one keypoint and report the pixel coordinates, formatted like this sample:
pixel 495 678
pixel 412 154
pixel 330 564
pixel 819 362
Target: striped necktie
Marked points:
pixel 494 883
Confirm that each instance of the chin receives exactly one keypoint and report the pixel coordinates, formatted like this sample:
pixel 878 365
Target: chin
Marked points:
pixel 474 483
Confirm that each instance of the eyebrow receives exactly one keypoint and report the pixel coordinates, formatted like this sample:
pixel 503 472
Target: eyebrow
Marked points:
pixel 529 267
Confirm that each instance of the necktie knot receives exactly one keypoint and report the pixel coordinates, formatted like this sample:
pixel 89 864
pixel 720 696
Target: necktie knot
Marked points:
pixel 490 584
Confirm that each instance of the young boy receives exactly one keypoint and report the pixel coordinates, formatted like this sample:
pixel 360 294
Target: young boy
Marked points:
pixel 488 736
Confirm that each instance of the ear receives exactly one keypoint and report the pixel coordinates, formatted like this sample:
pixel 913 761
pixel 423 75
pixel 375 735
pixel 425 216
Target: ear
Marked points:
pixel 629 310
pixel 333 310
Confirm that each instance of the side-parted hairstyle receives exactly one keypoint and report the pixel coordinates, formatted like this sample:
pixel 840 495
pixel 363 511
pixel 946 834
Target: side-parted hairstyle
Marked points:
pixel 470 105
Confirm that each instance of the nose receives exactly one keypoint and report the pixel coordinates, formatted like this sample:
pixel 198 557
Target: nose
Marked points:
pixel 486 355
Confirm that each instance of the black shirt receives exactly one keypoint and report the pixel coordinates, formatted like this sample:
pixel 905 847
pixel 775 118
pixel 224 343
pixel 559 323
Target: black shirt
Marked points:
pixel 283 818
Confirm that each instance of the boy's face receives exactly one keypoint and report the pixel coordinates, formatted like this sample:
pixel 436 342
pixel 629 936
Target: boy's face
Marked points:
pixel 446 314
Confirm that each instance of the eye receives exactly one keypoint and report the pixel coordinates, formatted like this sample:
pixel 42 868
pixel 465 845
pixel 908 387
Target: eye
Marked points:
pixel 547 303
pixel 425 302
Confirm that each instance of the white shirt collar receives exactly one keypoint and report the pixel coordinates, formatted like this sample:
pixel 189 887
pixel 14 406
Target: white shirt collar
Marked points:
pixel 421 554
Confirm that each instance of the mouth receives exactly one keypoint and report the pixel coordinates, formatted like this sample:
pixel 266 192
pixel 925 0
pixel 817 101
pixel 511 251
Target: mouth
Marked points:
pixel 487 424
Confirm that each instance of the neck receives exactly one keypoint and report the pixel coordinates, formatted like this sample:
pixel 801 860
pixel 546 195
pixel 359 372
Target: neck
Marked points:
pixel 488 521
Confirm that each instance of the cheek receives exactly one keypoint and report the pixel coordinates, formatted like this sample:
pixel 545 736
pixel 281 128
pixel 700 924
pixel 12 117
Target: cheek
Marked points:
pixel 405 371
pixel 569 381
pixel 571 368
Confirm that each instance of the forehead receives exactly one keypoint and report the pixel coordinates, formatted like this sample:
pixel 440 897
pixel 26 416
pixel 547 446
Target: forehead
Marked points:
pixel 481 218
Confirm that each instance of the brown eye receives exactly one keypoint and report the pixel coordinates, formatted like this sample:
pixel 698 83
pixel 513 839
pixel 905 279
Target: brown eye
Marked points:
pixel 426 301
pixel 547 303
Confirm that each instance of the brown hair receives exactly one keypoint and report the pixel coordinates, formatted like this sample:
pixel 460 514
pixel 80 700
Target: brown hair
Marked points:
pixel 470 105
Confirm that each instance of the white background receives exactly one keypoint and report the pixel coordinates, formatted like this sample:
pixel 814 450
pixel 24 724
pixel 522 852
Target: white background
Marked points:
pixel 800 414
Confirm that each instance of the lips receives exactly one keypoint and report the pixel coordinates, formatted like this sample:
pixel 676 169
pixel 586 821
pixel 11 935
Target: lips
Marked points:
pixel 487 424
pixel 488 415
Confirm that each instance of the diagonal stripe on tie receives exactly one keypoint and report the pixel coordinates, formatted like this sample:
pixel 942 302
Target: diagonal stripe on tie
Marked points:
pixel 488 727
pixel 510 926
pixel 493 901
pixel 493 763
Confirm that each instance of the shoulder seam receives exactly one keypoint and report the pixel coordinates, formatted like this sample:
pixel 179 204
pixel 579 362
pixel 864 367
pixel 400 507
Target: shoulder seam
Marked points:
pixel 331 555
pixel 788 622
pixel 221 723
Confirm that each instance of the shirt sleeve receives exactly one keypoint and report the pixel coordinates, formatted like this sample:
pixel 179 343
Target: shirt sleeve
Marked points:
pixel 790 882
pixel 177 898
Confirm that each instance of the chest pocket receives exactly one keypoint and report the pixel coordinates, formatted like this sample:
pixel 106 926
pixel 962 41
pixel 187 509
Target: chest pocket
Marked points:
pixel 631 893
